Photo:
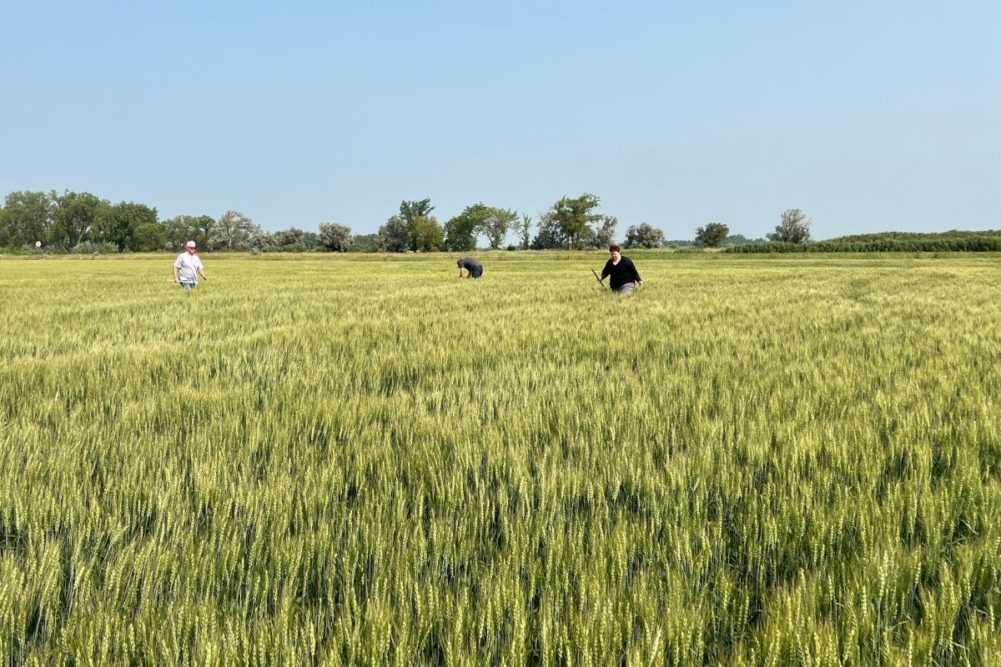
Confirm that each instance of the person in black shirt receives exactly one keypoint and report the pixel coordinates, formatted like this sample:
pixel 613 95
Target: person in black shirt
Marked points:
pixel 624 276
pixel 473 268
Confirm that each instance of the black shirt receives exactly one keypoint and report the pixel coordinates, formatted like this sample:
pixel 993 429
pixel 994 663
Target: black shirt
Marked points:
pixel 621 273
pixel 468 263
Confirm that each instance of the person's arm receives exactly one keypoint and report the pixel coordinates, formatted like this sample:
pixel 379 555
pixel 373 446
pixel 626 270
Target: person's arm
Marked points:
pixel 460 272
pixel 201 272
pixel 605 271
pixel 636 274
pixel 177 279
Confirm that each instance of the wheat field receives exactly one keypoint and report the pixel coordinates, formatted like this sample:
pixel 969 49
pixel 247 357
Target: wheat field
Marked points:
pixel 364 460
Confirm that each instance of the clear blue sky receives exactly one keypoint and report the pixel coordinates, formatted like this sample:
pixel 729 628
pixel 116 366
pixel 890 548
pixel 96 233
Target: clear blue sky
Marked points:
pixel 869 116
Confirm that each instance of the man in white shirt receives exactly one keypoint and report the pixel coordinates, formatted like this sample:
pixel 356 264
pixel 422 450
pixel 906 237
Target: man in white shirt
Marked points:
pixel 188 267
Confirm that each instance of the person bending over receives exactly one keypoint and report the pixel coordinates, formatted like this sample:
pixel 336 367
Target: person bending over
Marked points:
pixel 473 268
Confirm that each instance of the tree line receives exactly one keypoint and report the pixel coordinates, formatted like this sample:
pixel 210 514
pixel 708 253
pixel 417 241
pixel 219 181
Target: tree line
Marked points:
pixel 952 241
pixel 81 222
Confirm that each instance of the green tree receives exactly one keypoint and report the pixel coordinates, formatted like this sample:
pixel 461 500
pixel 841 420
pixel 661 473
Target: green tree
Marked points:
pixel 422 228
pixel 794 227
pixel 117 224
pixel 179 230
pixel 550 234
pixel 336 238
pixel 365 242
pixel 74 218
pixel 393 236
pixel 426 235
pixel 461 231
pixel 26 218
pixel 235 231
pixel 574 216
pixel 644 236
pixel 411 210
pixel 290 240
pixel 496 225
pixel 712 235
pixel 525 231
pixel 149 237
pixel 606 233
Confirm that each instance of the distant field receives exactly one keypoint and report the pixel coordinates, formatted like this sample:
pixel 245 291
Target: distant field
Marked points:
pixel 363 460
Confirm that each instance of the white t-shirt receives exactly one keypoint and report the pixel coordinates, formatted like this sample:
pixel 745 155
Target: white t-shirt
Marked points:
pixel 186 266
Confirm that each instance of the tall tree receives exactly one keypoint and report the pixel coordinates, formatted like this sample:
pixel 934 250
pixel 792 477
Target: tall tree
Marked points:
pixel 149 237
pixel 183 228
pixel 393 236
pixel 606 233
pixel 336 238
pixel 365 242
pixel 117 224
pixel 426 235
pixel 417 215
pixel 234 231
pixel 411 210
pixel 794 227
pixel 712 235
pixel 497 224
pixel 525 231
pixel 290 239
pixel 461 231
pixel 202 225
pixel 575 215
pixel 74 218
pixel 550 234
pixel 644 236
pixel 26 217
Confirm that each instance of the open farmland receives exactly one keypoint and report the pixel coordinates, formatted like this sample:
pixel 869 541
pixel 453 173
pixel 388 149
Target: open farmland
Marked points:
pixel 364 460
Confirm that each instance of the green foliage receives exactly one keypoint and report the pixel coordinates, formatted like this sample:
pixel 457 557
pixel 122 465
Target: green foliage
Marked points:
pixel 461 230
pixel 550 235
pixel 954 241
pixel 712 235
pixel 769 247
pixel 793 228
pixel 525 231
pixel 644 236
pixel 179 230
pixel 605 235
pixel 365 242
pixel 289 238
pixel 568 223
pixel 740 239
pixel 117 224
pixel 426 235
pixel 496 225
pixel 410 211
pixel 393 236
pixel 235 231
pixel 336 238
pixel 751 462
pixel 26 218
pixel 74 217
pixel 149 237
pixel 94 248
